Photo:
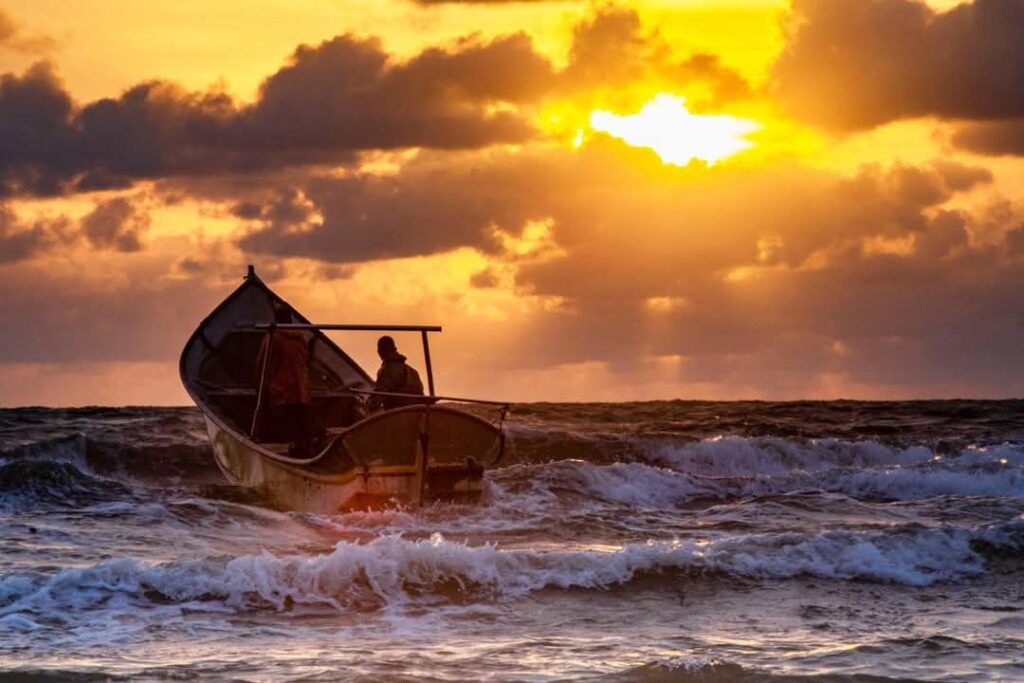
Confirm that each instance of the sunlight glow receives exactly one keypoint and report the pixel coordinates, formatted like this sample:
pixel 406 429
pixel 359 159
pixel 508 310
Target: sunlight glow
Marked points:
pixel 666 126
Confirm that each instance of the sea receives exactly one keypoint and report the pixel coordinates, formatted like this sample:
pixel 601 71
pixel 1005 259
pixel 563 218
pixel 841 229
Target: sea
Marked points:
pixel 658 541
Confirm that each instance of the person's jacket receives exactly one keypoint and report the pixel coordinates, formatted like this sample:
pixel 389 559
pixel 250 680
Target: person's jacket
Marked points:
pixel 394 376
pixel 287 379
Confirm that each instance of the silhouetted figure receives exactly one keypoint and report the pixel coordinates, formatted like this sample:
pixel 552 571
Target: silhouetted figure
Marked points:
pixel 285 408
pixel 395 377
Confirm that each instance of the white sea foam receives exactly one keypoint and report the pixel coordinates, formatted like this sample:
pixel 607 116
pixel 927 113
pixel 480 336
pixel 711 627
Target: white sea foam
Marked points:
pixel 741 467
pixel 391 571
pixel 732 456
pixel 645 486
pixel 635 483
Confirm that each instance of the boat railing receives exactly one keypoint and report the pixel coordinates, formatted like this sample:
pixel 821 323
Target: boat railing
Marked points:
pixel 502 406
pixel 432 399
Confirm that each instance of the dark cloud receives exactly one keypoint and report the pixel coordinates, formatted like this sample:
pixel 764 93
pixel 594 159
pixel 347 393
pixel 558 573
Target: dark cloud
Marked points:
pixel 1004 137
pixel 34 132
pixel 286 209
pixel 943 234
pixel 20 241
pixel 431 207
pixel 330 102
pixel 345 93
pixel 609 47
pixel 484 279
pixel 115 224
pixel 726 84
pixel 505 70
pixel 854 64
pixel 438 203
pixel 1015 242
pixel 612 48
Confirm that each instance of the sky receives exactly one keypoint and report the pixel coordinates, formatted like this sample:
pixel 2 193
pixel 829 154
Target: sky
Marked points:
pixel 598 201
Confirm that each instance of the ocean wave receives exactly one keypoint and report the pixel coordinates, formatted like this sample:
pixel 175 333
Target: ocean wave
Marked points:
pixel 649 486
pixel 34 483
pixel 731 456
pixel 76 470
pixel 711 670
pixel 391 571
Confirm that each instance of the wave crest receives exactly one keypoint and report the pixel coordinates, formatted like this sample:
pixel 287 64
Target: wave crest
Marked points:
pixel 392 571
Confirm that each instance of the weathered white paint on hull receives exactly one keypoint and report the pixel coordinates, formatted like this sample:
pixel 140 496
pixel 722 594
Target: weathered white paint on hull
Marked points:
pixel 294 487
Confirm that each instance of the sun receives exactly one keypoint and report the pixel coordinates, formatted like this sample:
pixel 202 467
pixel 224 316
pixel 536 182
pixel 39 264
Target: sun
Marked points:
pixel 666 126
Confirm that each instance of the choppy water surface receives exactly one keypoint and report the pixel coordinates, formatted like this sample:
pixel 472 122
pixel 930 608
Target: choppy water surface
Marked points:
pixel 638 542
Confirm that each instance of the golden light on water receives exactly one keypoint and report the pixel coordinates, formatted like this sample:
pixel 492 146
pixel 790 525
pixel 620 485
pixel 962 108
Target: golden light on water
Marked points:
pixel 675 134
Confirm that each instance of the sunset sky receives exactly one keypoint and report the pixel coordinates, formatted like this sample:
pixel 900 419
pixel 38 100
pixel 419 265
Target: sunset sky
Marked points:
pixel 598 201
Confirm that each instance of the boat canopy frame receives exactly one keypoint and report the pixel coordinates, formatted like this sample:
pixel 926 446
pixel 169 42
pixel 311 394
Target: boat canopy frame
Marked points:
pixel 422 329
pixel 269 328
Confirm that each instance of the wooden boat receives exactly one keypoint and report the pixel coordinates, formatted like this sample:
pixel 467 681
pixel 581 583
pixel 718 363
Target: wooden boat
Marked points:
pixel 405 456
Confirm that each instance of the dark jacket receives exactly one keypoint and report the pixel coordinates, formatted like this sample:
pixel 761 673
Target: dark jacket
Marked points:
pixel 287 381
pixel 394 376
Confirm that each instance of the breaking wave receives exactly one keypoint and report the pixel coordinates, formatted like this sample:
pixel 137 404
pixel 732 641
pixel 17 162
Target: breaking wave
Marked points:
pixel 731 468
pixel 391 571
pixel 75 470
pixel 709 670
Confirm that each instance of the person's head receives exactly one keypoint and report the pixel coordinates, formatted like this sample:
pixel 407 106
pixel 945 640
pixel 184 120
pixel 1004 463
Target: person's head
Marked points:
pixel 386 347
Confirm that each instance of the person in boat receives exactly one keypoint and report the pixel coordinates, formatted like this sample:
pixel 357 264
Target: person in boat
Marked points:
pixel 285 409
pixel 395 376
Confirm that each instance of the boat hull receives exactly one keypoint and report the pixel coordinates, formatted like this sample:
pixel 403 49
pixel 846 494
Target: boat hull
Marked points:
pixel 304 488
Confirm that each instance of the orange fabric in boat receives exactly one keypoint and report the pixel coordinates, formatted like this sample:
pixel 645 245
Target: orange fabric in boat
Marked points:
pixel 288 371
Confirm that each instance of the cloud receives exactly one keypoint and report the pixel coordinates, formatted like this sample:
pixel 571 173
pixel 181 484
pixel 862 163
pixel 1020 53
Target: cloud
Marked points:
pixel 440 202
pixel 433 206
pixel 116 224
pixel 19 241
pixel 611 48
pixel 327 104
pixel 775 266
pixel 34 135
pixel 608 47
pixel 856 64
pixel 744 279
pixel 14 39
pixel 1005 137
pixel 8 29
pixel 346 93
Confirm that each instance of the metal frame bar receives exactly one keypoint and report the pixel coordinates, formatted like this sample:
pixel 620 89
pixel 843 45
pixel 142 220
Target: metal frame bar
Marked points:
pixel 263 383
pixel 426 357
pixel 422 329
pixel 355 328
pixel 433 398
